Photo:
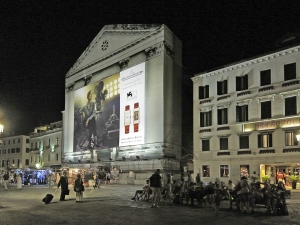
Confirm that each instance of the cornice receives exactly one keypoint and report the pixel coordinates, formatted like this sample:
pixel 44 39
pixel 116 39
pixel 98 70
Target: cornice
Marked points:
pixel 247 63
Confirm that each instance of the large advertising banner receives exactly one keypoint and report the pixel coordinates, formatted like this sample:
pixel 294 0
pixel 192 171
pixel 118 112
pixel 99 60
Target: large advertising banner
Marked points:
pixel 132 106
pixel 96 115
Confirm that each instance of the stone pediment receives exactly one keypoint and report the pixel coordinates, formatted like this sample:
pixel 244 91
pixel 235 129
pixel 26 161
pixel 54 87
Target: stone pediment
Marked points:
pixel 111 41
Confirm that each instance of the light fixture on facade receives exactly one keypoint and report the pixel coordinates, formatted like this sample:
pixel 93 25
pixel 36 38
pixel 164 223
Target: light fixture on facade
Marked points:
pixel 298 136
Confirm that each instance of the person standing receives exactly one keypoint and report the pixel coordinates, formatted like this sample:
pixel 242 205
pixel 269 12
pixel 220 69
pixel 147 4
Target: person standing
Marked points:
pixel 198 178
pixel 5 181
pixel 156 186
pixel 19 182
pixel 63 182
pixel 243 194
pixel 79 188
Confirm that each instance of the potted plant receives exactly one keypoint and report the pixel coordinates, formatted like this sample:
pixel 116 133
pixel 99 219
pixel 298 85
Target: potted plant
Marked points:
pixel 294 179
pixel 265 178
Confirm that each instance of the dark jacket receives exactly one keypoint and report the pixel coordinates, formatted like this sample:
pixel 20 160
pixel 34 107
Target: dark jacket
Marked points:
pixel 78 185
pixel 5 176
pixel 63 182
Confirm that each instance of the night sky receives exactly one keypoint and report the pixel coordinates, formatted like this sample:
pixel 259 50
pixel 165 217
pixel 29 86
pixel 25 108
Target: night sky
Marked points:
pixel 41 40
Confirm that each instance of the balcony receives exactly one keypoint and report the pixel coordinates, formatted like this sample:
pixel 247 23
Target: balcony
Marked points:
pixel 266 88
pixel 204 130
pixel 290 83
pixel 205 101
pixel 289 150
pixel 245 152
pixel 243 93
pixel 223 97
pixel 223 128
pixel 266 151
pixel 223 153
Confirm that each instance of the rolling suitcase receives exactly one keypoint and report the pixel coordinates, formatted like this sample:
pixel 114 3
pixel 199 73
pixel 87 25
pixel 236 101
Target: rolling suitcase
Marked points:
pixel 48 198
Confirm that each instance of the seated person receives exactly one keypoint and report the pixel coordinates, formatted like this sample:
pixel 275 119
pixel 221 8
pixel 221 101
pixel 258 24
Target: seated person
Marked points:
pixel 145 191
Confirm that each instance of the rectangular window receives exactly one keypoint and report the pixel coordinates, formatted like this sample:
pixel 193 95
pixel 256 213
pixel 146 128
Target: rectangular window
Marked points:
pixel 290 106
pixel 27 150
pixel 205 171
pixel 224 170
pixel 244 142
pixel 203 92
pixel 8 141
pixel 290 138
pixel 290 71
pixel 205 145
pixel 56 157
pixel 242 113
pixel 242 83
pixel 8 151
pixel 31 159
pixel 27 162
pixel 27 141
pixel 57 142
pixel 4 151
pixel 244 170
pixel 14 141
pixel 266 111
pixel 205 119
pixel 222 87
pixel 223 143
pixel 13 150
pixel 222 116
pixel 264 140
pixel 18 150
pixel 48 157
pixel 265 77
pixel 19 140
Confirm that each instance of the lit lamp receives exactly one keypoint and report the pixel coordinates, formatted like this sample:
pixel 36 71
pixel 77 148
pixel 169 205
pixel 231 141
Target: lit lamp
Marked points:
pixel 1 129
pixel 37 165
pixel 298 136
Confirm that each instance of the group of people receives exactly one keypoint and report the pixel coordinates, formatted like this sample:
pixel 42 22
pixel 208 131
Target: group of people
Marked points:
pixel 8 180
pixel 213 193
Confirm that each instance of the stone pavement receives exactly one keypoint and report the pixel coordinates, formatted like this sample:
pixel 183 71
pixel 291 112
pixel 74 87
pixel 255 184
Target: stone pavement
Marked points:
pixel 112 204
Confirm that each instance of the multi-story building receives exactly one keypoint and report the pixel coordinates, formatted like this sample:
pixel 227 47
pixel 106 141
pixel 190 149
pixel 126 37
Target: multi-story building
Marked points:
pixel 123 102
pixel 45 147
pixel 14 152
pixel 246 117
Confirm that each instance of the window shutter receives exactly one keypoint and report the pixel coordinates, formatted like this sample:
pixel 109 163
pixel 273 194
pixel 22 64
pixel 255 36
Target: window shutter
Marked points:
pixel 238 83
pixel 219 88
pixel 259 141
pixel 270 141
pixel 206 91
pixel 246 82
pixel 201 92
pixel 237 115
pixel 225 87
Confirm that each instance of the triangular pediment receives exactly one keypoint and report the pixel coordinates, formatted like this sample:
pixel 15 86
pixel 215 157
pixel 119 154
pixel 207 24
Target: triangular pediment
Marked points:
pixel 112 40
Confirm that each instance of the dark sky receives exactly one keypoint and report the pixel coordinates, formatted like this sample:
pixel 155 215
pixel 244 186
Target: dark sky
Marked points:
pixel 41 40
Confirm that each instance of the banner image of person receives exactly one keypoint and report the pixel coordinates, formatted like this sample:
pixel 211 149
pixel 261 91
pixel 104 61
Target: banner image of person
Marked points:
pixel 96 115
pixel 132 106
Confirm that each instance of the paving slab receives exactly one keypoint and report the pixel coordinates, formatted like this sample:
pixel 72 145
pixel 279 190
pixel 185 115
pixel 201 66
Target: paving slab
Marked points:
pixel 112 204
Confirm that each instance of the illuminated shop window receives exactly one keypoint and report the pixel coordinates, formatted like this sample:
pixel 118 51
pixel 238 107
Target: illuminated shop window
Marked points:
pixel 206 171
pixel 290 138
pixel 244 170
pixel 224 170
pixel 264 140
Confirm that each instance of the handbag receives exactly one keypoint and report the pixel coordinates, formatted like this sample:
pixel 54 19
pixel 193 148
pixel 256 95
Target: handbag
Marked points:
pixel 67 192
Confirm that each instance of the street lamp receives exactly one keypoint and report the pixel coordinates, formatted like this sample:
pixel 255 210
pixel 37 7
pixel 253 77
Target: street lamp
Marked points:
pixel 1 129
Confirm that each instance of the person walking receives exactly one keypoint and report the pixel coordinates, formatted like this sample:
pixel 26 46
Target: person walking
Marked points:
pixel 156 186
pixel 79 188
pixel 5 181
pixel 63 182
pixel 19 182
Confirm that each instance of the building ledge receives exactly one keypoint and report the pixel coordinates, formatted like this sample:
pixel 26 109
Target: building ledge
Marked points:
pixel 223 153
pixel 205 101
pixel 266 88
pixel 223 97
pixel 266 151
pixel 290 83
pixel 287 150
pixel 246 152
pixel 204 130
pixel 244 93
pixel 223 128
